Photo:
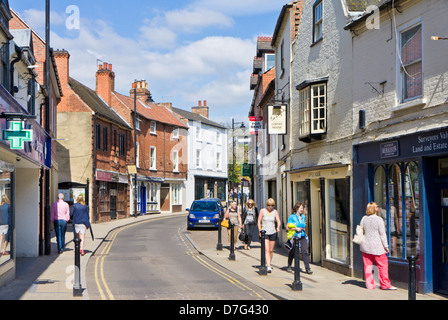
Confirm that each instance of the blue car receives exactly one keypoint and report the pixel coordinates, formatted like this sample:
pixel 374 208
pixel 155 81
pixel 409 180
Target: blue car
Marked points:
pixel 203 214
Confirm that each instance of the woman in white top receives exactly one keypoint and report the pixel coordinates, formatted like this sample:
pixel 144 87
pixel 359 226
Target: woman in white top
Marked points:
pixel 266 221
pixel 374 248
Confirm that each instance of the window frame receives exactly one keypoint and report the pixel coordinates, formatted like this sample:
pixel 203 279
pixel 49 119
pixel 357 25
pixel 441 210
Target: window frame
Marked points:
pixel 153 127
pixel 307 109
pixel 152 158
pixel 401 74
pixel 318 23
pixel 175 161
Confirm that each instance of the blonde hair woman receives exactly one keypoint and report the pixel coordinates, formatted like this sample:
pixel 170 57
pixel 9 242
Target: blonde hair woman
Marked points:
pixel 233 214
pixel 374 248
pixel 80 216
pixel 267 221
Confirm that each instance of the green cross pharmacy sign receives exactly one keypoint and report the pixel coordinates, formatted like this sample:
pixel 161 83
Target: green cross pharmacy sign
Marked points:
pixel 17 135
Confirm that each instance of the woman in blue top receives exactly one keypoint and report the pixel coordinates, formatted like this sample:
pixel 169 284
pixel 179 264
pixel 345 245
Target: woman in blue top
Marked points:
pixel 5 223
pixel 298 219
pixel 80 216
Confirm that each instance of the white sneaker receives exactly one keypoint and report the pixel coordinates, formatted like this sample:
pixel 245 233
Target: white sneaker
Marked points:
pixel 269 269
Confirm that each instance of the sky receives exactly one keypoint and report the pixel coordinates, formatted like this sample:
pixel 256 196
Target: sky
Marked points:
pixel 186 50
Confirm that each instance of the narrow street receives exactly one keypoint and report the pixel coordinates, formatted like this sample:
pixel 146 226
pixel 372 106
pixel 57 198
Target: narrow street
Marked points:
pixel 154 260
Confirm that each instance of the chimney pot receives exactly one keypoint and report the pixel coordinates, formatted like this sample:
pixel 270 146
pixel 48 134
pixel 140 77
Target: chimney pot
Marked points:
pixel 110 67
pixel 199 103
pixel 205 103
pixel 105 65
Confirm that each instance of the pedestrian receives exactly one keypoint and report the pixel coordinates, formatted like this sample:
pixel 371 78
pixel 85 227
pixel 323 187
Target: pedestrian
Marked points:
pixel 297 223
pixel 60 215
pixel 269 221
pixel 81 222
pixel 249 218
pixel 234 216
pixel 5 224
pixel 374 248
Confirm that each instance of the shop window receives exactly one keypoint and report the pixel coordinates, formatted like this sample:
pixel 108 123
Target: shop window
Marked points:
pixel 337 220
pixel 443 167
pixel 103 197
pixel 151 197
pixel 396 192
pixel 176 194
pixel 5 216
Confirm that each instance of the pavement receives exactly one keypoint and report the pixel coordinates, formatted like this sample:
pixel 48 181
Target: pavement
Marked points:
pixel 51 277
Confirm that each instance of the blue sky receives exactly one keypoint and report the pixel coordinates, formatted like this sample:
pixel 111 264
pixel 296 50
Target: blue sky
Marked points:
pixel 186 50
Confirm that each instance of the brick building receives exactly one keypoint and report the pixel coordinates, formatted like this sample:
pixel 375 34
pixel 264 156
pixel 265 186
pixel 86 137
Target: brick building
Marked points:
pixel 93 148
pixel 160 149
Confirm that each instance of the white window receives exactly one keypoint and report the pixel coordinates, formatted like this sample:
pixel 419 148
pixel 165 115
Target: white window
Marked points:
pixel 218 161
pixel 198 133
pixel 175 161
pixel 318 108
pixel 137 159
pixel 137 123
pixel 411 63
pixel 269 61
pixel 318 18
pixel 218 138
pixel 198 158
pixel 152 127
pixel 176 191
pixel 304 112
pixel 152 159
pixel 313 110
pixel 176 133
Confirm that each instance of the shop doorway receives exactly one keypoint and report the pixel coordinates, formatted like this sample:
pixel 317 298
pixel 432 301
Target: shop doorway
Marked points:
pixel 443 240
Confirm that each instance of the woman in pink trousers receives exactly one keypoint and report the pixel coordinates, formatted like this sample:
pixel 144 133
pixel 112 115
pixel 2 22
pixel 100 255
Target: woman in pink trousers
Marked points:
pixel 374 248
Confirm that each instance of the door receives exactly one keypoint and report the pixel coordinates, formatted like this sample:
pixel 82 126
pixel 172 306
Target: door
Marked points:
pixel 113 201
pixel 443 286
pixel 143 200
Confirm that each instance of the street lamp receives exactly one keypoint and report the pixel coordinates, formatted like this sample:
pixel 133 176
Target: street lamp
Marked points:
pixel 438 38
pixel 233 151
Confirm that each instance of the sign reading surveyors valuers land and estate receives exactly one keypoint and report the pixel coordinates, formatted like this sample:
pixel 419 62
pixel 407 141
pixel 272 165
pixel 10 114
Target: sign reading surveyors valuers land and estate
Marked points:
pixel 417 144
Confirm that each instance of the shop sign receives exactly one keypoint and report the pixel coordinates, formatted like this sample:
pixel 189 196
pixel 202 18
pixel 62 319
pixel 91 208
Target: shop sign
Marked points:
pixel 17 135
pixel 389 149
pixel 276 119
pixel 256 124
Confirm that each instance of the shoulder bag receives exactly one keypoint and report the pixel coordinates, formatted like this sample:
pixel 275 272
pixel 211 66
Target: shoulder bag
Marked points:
pixel 359 236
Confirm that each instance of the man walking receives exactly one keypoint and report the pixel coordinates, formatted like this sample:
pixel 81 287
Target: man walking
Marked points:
pixel 60 215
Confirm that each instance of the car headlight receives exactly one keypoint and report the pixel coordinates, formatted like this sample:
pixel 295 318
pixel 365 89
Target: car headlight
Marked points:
pixel 216 216
pixel 192 216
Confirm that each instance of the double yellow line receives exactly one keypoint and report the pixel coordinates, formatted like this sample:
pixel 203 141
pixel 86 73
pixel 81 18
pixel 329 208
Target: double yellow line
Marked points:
pixel 222 274
pixel 100 274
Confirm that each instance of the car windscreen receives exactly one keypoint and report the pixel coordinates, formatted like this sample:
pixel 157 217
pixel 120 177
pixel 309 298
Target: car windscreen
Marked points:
pixel 204 206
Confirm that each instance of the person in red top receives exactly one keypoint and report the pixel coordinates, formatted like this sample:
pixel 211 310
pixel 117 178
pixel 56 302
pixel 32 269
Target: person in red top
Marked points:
pixel 60 215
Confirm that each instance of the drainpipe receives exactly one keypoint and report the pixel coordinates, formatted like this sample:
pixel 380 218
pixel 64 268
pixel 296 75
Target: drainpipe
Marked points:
pixel 11 69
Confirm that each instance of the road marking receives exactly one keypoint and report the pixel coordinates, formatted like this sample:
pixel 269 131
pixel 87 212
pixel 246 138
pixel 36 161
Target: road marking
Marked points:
pixel 222 274
pixel 100 260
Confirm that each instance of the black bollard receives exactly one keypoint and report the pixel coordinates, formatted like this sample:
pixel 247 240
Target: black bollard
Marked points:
pixel 219 245
pixel 77 289
pixel 412 283
pixel 263 268
pixel 297 284
pixel 232 242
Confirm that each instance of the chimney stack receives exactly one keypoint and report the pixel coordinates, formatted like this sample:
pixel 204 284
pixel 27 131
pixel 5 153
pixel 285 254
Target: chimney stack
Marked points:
pixel 105 82
pixel 202 110
pixel 62 58
pixel 142 91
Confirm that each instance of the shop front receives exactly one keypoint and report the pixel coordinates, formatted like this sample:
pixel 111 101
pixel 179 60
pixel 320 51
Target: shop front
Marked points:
pixel 325 194
pixel 148 194
pixel 25 151
pixel 112 195
pixel 407 176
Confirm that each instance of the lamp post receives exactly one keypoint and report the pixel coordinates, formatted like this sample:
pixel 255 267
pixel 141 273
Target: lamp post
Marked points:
pixel 233 150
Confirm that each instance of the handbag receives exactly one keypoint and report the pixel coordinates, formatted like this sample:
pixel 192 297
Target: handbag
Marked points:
pixel 225 223
pixel 242 236
pixel 359 236
pixel 288 244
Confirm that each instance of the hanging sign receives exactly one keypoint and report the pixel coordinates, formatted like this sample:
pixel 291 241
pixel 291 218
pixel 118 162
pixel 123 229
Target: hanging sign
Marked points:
pixel 17 135
pixel 276 119
pixel 256 124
